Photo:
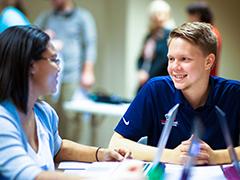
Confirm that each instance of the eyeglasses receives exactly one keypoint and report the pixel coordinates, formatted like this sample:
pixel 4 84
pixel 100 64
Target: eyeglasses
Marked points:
pixel 54 60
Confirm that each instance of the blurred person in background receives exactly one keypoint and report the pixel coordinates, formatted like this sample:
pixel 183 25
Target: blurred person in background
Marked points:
pixel 74 32
pixel 200 11
pixel 12 13
pixel 153 58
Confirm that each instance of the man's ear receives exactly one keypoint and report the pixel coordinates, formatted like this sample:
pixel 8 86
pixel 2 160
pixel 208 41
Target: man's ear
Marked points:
pixel 210 61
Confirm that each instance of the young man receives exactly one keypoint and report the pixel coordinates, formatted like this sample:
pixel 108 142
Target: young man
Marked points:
pixel 191 55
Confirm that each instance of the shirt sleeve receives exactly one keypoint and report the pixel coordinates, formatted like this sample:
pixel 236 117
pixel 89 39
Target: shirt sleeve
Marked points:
pixel 89 36
pixel 137 121
pixel 15 163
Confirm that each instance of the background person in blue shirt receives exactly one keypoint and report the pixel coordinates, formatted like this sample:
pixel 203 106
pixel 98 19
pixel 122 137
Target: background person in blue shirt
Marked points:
pixel 12 13
pixel 29 139
pixel 78 49
pixel 191 55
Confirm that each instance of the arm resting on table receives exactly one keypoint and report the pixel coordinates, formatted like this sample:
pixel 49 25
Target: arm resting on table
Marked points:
pixel 222 156
pixel 139 151
pixel 71 151
pixel 174 156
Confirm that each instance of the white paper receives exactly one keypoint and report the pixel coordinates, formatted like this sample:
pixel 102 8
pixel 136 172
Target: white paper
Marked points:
pixel 196 173
pixel 70 165
pixel 172 172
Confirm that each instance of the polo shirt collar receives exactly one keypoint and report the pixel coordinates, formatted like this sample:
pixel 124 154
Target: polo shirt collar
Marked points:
pixel 179 97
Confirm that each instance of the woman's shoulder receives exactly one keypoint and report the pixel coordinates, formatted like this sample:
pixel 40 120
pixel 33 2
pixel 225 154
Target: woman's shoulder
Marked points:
pixel 12 16
pixel 9 117
pixel 46 114
pixel 44 107
pixel 7 109
pixel 10 11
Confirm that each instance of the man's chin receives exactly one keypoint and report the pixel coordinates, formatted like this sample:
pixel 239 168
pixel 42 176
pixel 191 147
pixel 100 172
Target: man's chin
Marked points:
pixel 179 86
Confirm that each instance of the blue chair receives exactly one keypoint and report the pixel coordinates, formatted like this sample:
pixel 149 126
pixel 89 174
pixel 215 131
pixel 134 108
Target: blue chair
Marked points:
pixel 143 140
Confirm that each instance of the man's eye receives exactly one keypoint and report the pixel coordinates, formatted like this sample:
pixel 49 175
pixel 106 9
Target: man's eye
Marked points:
pixel 185 59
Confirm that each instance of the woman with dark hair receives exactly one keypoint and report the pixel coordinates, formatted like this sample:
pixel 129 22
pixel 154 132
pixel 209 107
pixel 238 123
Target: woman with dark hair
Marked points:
pixel 201 12
pixel 29 139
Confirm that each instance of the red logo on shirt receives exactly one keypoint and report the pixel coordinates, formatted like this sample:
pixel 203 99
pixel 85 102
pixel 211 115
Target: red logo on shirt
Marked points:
pixel 175 123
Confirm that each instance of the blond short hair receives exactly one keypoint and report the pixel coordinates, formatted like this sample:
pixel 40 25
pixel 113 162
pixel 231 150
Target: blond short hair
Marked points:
pixel 198 33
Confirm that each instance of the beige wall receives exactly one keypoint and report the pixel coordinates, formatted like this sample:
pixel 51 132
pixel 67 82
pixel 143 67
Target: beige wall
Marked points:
pixel 121 27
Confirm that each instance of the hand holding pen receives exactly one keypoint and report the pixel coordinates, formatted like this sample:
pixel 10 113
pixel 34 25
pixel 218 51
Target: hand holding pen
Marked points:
pixel 125 153
pixel 120 154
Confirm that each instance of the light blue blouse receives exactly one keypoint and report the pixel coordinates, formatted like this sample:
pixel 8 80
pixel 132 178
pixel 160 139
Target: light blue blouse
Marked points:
pixel 17 159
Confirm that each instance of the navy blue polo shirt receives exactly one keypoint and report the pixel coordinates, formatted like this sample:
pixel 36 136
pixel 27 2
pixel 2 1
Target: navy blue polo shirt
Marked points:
pixel 146 114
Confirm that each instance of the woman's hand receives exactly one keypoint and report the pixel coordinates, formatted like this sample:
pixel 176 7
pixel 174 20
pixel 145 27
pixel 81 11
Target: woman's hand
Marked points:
pixel 113 155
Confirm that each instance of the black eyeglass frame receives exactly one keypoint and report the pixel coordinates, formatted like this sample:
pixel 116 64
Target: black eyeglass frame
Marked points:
pixel 54 60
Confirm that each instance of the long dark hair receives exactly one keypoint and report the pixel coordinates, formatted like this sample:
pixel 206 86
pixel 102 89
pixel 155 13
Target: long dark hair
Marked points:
pixel 19 46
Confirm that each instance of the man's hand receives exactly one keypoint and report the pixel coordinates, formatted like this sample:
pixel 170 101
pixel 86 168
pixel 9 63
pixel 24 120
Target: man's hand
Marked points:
pixel 211 155
pixel 87 76
pixel 180 153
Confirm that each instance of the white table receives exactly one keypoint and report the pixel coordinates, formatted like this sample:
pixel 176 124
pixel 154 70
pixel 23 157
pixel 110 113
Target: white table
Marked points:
pixel 80 106
pixel 108 169
pixel 96 108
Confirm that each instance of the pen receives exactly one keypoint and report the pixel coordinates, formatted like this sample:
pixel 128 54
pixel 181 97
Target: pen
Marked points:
pixel 127 156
